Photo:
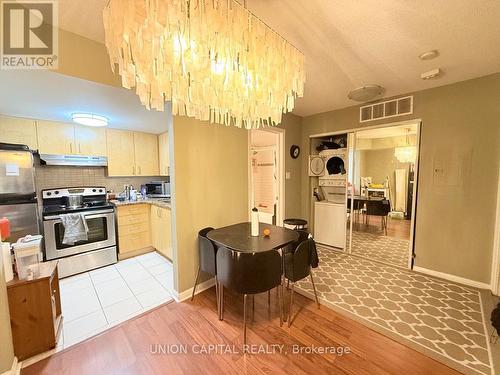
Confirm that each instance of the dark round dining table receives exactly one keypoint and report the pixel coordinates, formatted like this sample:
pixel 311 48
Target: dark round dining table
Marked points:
pixel 238 238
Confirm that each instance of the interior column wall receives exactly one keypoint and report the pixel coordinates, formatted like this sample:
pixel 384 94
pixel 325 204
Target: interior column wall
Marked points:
pixel 211 186
pixel 293 136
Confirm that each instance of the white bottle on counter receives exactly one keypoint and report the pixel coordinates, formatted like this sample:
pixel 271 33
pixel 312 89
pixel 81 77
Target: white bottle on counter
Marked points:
pixel 255 222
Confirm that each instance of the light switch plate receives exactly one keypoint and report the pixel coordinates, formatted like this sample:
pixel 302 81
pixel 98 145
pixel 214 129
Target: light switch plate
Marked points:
pixel 288 175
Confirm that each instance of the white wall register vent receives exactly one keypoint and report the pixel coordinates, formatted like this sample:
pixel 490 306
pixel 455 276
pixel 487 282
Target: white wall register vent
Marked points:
pixel 387 109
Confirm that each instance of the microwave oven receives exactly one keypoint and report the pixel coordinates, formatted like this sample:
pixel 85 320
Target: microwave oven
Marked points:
pixel 158 189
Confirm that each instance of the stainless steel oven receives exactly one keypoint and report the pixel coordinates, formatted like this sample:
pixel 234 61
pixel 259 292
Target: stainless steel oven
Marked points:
pixel 98 249
pixel 101 225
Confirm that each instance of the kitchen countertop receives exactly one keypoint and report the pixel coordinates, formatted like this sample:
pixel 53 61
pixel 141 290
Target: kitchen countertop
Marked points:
pixel 159 202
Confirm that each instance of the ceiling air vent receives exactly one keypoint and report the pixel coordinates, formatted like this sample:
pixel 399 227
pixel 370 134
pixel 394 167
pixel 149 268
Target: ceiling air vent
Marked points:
pixel 390 108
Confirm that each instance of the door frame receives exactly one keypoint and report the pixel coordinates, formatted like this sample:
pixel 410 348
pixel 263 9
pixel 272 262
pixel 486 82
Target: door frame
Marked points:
pixel 495 259
pixel 280 214
pixel 418 122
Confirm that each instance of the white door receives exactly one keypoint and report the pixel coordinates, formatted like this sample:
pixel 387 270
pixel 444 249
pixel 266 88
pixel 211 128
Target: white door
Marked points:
pixel 267 175
pixel 265 183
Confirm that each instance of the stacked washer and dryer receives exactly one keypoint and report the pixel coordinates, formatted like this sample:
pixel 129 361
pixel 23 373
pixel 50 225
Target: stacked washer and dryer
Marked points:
pixel 330 166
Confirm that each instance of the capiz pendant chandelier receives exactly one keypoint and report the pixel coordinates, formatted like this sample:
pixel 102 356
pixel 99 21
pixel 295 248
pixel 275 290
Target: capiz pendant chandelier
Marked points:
pixel 407 153
pixel 213 59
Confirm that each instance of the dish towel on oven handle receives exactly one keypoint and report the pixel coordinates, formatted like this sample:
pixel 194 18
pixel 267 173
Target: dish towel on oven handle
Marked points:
pixel 75 228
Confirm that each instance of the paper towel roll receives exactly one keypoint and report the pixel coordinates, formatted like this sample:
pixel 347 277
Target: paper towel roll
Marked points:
pixel 7 261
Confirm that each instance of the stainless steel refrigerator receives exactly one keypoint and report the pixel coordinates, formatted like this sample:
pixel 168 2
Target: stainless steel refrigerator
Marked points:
pixel 18 201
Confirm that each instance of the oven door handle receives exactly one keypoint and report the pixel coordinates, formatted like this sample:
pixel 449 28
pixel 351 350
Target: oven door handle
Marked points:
pixel 93 215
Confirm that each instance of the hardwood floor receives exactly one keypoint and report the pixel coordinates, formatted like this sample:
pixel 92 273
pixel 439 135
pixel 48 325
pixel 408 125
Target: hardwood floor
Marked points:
pixel 128 348
pixel 395 227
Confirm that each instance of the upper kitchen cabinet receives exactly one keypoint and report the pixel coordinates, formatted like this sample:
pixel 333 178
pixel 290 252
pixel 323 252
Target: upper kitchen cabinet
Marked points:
pixel 90 140
pixel 146 154
pixel 164 154
pixel 121 160
pixel 56 138
pixel 69 139
pixel 18 130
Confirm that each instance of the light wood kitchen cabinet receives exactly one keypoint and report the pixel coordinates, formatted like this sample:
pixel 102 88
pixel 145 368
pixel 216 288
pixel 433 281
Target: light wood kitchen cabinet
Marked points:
pixel 161 222
pixel 134 229
pixel 69 139
pixel 90 141
pixel 146 154
pixel 132 153
pixel 164 154
pixel 18 130
pixel 121 159
pixel 56 138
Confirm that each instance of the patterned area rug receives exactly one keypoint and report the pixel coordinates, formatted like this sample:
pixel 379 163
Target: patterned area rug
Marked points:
pixel 381 248
pixel 441 319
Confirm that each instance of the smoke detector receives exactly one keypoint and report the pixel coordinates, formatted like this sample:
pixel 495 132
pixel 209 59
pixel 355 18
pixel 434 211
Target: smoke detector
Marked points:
pixel 431 74
pixel 366 93
pixel 429 55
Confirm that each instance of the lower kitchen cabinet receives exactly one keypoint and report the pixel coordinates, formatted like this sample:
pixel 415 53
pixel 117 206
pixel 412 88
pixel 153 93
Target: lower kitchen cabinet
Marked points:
pixel 35 312
pixel 161 224
pixel 134 229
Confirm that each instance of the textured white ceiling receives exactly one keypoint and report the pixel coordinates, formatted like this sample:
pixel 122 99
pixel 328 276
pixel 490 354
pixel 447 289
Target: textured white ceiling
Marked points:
pixel 351 43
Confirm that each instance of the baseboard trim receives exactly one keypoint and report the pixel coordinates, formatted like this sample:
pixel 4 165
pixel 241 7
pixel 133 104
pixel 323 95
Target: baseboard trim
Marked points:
pixel 455 279
pixel 134 253
pixel 15 369
pixel 180 297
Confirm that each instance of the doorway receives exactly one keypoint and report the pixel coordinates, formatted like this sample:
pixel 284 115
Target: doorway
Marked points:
pixel 495 264
pixel 381 193
pixel 266 174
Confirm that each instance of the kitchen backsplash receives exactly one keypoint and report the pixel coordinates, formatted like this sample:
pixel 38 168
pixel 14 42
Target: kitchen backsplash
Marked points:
pixel 48 177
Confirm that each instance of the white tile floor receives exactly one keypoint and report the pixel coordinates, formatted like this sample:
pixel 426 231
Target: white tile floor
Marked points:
pixel 97 300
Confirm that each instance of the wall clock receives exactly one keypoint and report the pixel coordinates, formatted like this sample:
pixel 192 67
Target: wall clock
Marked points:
pixel 294 151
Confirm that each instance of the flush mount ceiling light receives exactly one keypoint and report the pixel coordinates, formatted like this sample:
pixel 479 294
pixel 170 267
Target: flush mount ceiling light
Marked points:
pixel 429 55
pixel 366 93
pixel 213 59
pixel 89 119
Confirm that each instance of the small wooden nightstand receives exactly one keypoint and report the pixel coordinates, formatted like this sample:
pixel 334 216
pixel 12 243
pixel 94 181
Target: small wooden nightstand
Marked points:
pixel 35 312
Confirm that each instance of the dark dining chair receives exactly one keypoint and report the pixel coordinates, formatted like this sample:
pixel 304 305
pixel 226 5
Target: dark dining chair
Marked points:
pixel 379 208
pixel 358 206
pixel 249 273
pixel 303 235
pixel 297 267
pixel 207 252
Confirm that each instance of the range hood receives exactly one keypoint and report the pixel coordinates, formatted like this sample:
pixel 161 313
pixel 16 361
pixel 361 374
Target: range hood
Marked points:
pixel 74 160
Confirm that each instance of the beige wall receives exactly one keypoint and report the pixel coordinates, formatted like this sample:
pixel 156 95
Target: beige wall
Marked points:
pixel 379 164
pixel 293 136
pixel 86 59
pixel 455 224
pixel 211 185
pixel 6 349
